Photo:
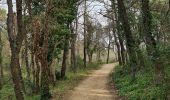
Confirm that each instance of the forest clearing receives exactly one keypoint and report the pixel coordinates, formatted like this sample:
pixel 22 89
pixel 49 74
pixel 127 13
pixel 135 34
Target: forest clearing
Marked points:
pixel 84 49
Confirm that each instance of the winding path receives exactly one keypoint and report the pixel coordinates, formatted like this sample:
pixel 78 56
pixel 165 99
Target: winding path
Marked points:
pixel 95 87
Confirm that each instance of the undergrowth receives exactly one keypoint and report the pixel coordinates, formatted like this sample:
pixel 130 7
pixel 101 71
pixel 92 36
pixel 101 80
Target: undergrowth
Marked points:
pixel 143 88
pixel 60 88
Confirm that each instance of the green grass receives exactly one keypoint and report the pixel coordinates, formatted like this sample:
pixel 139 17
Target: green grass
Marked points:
pixel 141 89
pixel 62 86
pixel 69 82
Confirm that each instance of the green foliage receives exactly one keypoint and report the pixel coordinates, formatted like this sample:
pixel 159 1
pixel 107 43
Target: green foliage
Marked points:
pixel 7 92
pixel 38 7
pixel 141 89
pixel 80 62
pixel 36 97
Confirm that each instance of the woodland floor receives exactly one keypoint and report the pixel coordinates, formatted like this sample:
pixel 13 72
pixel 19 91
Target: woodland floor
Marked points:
pixel 95 86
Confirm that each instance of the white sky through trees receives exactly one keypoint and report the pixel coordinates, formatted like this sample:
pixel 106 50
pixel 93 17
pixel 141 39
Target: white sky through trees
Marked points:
pixel 3 4
pixel 94 7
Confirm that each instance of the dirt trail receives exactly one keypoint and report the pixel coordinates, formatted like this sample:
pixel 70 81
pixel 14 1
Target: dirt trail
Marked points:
pixel 95 87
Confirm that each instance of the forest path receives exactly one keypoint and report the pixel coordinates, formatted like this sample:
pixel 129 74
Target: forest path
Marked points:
pixel 95 87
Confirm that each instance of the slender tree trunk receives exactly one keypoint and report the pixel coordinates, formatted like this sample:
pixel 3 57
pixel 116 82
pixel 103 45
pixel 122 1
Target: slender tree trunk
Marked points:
pixel 45 90
pixel 108 54
pixel 37 75
pixel 118 48
pixel 73 57
pixel 98 56
pixel 26 57
pixel 20 36
pixel 147 28
pixel 16 76
pixel 73 51
pixel 33 70
pixel 122 49
pixel 90 56
pixel 65 54
pixel 15 44
pixel 120 45
pixel 108 49
pixel 131 45
pixel 1 66
pixel 85 35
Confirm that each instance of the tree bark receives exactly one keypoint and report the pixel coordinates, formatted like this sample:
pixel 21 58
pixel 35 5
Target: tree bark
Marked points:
pixel 45 90
pixel 147 28
pixel 120 45
pixel 118 48
pixel 33 69
pixel 37 74
pixel 73 55
pixel 108 49
pixel 85 35
pixel 20 37
pixel 16 76
pixel 65 54
pixel 122 49
pixel 90 56
pixel 1 66
pixel 15 45
pixel 151 42
pixel 130 41
pixel 26 55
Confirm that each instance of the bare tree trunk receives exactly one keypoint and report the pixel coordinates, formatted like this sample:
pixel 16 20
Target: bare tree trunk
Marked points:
pixel 118 48
pixel 1 66
pixel 16 76
pixel 20 37
pixel 73 56
pixel 90 56
pixel 73 51
pixel 15 44
pixel 26 51
pixel 37 74
pixel 131 45
pixel 122 49
pixel 120 45
pixel 45 90
pixel 33 70
pixel 65 54
pixel 85 35
pixel 98 56
pixel 150 41
pixel 108 49
pixel 32 62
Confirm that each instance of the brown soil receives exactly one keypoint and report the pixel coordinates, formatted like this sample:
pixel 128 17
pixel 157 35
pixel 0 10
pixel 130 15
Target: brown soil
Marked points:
pixel 95 87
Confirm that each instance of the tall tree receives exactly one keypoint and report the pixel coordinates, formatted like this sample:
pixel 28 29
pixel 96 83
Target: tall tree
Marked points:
pixel 109 45
pixel 45 91
pixel 15 45
pixel 1 67
pixel 65 55
pixel 147 28
pixel 73 47
pixel 35 53
pixel 90 41
pixel 117 28
pixel 85 36
pixel 130 41
pixel 151 44
pixel 2 22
